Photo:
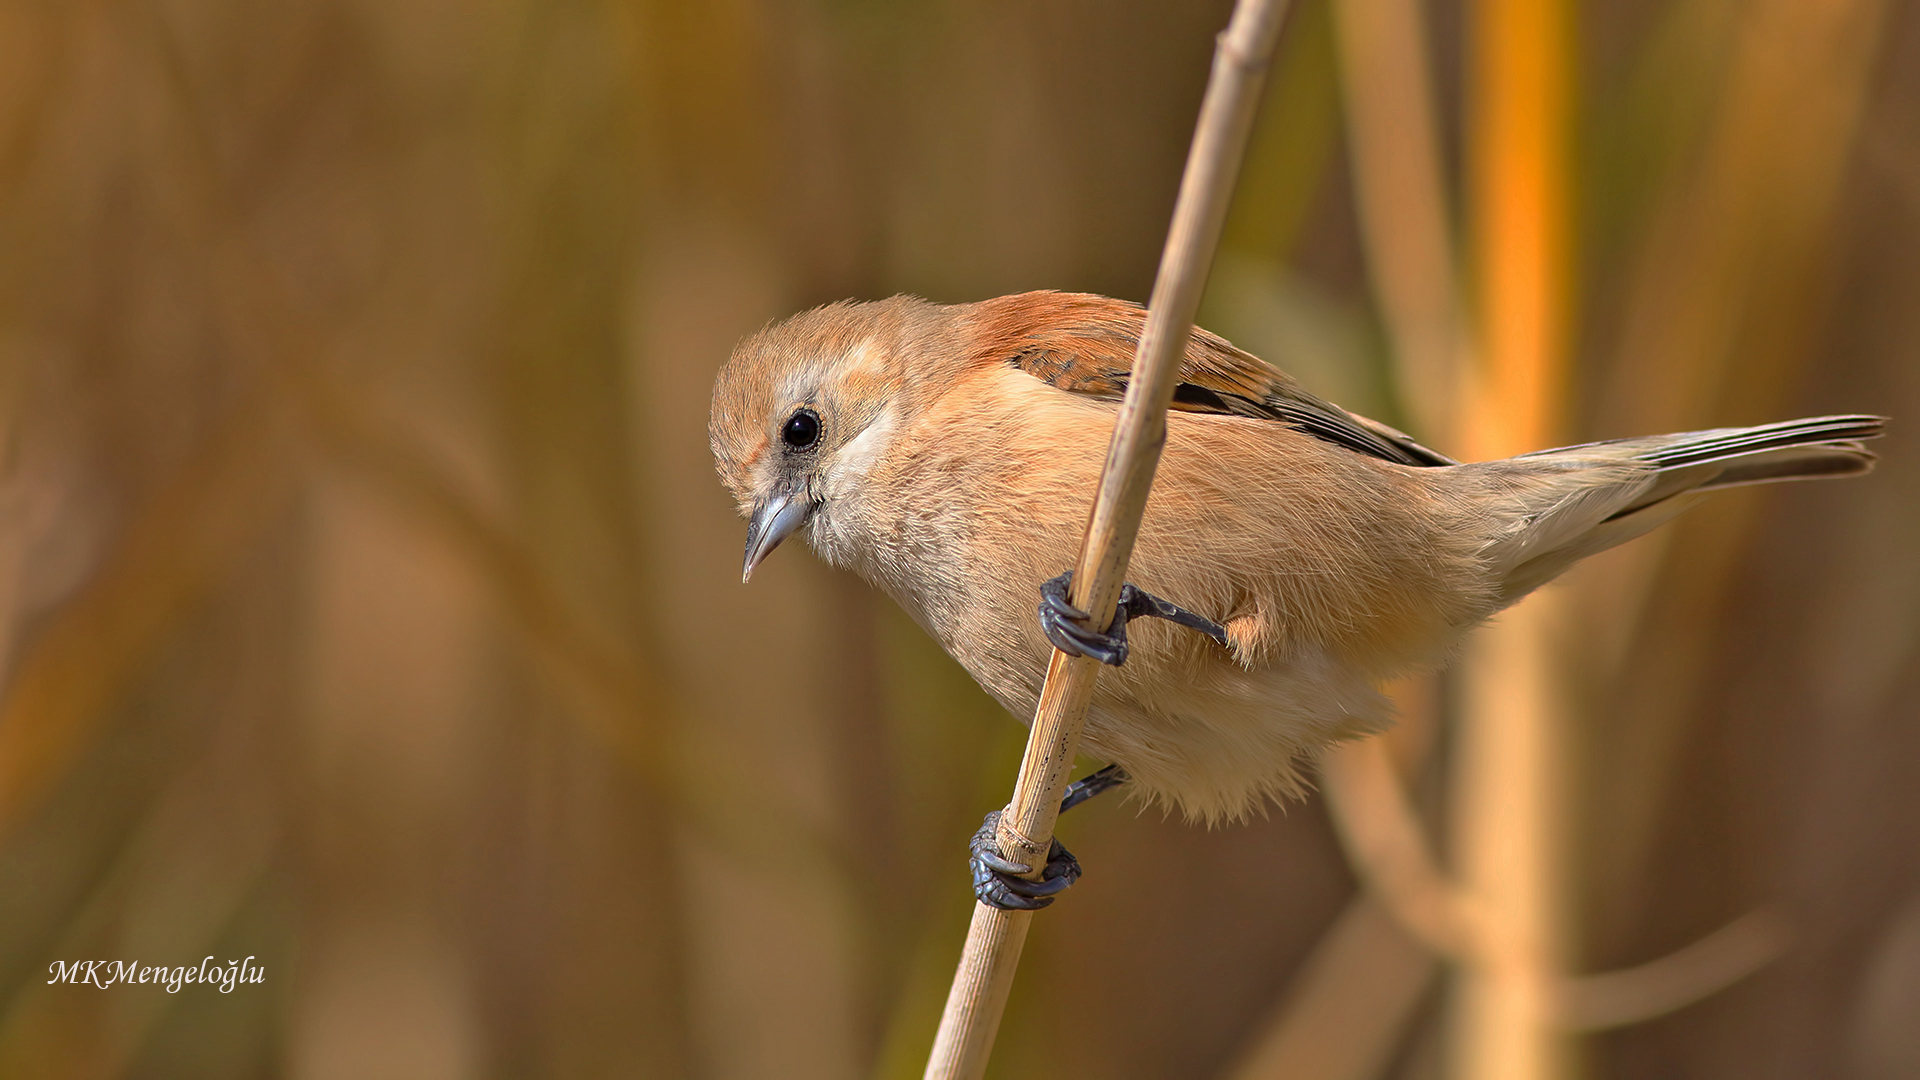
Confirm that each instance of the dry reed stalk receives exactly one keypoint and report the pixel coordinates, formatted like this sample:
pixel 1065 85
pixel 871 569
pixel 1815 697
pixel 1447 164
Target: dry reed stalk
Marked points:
pixel 1510 812
pixel 1387 847
pixel 1401 199
pixel 1713 330
pixel 985 973
pixel 1510 833
pixel 66 682
pixel 1383 838
pixel 1345 1014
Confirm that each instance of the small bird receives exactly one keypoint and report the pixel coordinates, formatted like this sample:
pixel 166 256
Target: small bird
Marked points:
pixel 949 454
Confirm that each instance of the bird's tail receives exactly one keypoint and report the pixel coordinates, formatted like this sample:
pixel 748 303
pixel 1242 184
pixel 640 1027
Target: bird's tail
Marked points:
pixel 1576 501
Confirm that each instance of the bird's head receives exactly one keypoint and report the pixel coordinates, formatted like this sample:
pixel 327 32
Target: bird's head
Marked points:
pixel 806 407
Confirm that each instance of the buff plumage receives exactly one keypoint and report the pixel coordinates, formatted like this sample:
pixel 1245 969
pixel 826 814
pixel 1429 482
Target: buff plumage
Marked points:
pixel 954 454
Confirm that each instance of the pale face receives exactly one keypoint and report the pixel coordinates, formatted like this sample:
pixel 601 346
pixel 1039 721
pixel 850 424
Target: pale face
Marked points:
pixel 798 418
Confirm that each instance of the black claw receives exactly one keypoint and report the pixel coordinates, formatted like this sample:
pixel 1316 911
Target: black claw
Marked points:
pixel 997 881
pixel 1065 625
pixel 995 862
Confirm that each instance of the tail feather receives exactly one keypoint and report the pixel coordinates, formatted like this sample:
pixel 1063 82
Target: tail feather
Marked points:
pixel 1808 463
pixel 1718 444
pixel 1576 501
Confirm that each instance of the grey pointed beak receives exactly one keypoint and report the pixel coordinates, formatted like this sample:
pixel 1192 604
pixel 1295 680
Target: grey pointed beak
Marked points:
pixel 773 521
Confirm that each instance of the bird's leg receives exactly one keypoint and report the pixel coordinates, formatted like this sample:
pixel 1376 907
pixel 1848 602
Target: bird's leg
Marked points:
pixel 1094 783
pixel 999 881
pixel 1065 625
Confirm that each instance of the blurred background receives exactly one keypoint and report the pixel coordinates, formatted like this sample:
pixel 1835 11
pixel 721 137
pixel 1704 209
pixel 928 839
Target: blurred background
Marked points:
pixel 369 607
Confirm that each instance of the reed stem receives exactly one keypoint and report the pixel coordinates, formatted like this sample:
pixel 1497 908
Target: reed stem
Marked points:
pixel 985 974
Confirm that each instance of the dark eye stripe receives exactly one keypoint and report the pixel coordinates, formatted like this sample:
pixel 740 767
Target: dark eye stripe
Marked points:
pixel 802 429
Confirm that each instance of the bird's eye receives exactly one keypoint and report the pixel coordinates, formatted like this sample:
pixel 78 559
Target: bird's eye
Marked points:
pixel 802 429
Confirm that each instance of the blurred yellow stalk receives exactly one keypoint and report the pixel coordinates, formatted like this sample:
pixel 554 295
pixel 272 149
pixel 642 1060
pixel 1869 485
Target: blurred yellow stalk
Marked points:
pixel 1509 813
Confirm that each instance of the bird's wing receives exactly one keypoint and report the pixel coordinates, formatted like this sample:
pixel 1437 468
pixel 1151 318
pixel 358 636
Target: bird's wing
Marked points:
pixel 1084 344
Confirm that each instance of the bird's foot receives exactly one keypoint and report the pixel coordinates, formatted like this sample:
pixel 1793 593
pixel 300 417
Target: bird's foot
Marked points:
pixel 1065 625
pixel 1000 882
